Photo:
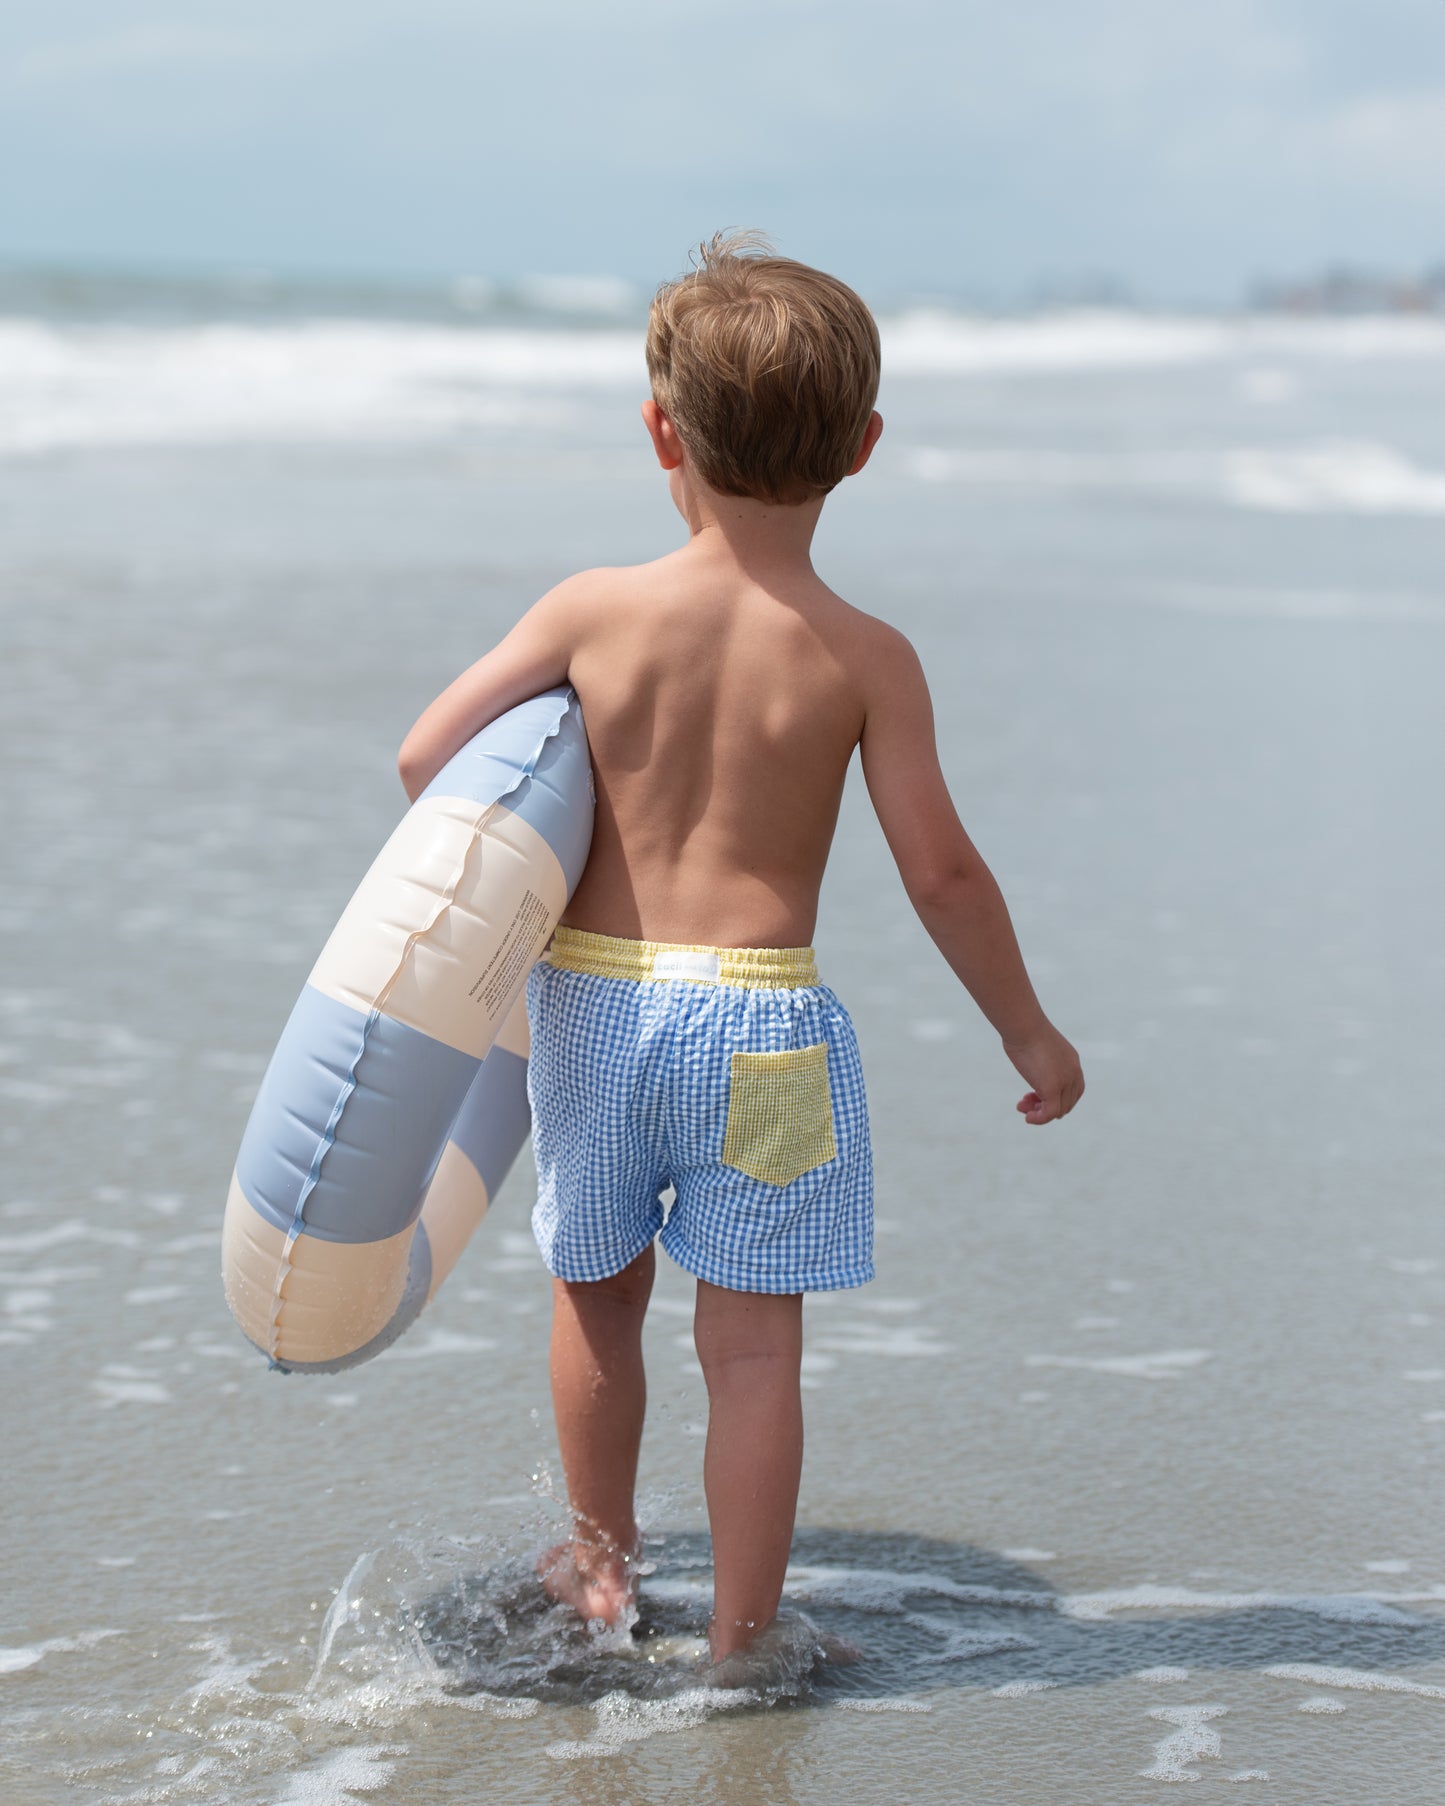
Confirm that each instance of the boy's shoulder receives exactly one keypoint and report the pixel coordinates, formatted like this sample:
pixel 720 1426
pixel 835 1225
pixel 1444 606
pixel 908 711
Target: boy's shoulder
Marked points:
pixel 610 606
pixel 875 650
pixel 623 587
pixel 602 585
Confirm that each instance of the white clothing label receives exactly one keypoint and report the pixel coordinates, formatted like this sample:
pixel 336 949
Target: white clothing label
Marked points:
pixel 700 966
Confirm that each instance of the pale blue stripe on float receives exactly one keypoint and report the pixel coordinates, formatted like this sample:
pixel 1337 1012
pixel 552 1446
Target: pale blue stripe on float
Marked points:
pixel 393 1093
pixel 503 754
pixel 535 761
pixel 494 1118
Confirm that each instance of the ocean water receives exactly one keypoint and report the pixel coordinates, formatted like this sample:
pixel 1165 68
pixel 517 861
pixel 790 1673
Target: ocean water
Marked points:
pixel 1126 1472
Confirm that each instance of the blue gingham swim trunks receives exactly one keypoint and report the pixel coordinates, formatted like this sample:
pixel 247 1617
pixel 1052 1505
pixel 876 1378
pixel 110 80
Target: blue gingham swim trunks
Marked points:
pixel 730 1075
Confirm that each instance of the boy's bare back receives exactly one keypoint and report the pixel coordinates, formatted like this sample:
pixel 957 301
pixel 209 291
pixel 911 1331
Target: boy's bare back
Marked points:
pixel 722 712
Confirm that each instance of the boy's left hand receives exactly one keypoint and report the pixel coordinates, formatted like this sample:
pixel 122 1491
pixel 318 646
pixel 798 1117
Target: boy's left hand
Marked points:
pixel 1051 1066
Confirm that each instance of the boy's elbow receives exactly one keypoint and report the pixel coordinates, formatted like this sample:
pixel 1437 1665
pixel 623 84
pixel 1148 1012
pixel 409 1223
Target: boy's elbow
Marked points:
pixel 938 888
pixel 410 770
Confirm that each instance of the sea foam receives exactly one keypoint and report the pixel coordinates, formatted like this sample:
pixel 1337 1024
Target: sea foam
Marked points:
pixel 70 386
pixel 1323 476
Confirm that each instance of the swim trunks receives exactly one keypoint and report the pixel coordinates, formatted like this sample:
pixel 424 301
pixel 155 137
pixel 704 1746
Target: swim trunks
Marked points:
pixel 730 1076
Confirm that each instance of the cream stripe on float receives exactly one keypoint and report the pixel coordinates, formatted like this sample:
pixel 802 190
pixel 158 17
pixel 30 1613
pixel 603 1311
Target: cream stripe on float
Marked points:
pixel 456 1202
pixel 409 946
pixel 338 1295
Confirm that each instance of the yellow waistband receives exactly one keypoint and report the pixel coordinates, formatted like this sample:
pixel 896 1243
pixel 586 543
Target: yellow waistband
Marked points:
pixel 761 968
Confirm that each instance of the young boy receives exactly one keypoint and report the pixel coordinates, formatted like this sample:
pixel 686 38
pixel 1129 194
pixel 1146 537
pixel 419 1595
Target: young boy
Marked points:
pixel 680 1037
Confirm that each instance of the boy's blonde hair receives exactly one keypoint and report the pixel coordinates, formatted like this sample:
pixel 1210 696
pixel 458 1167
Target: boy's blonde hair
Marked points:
pixel 767 368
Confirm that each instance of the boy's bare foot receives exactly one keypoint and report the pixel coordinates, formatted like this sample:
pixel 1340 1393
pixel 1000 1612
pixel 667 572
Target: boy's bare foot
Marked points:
pixel 777 1658
pixel 600 1587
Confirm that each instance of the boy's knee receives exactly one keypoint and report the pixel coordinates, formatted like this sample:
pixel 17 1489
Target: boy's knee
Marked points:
pixel 747 1332
pixel 629 1289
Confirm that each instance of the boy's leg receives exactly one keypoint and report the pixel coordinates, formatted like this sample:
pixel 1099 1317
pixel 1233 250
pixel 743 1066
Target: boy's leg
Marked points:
pixel 599 1394
pixel 750 1345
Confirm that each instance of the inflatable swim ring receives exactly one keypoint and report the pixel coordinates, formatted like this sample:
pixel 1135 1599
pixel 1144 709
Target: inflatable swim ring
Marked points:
pixel 396 1099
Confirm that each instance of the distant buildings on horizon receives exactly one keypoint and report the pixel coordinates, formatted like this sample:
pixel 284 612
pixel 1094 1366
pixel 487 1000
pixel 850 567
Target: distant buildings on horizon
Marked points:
pixel 1343 290
pixel 1338 289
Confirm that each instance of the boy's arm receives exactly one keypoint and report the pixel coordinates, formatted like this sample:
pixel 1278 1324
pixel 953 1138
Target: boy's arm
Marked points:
pixel 535 656
pixel 948 884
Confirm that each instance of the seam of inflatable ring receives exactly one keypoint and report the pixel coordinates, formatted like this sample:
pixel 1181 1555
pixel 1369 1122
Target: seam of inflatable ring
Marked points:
pixel 328 1135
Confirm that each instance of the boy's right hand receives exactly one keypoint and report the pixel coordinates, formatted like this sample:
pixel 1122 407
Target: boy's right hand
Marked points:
pixel 1051 1066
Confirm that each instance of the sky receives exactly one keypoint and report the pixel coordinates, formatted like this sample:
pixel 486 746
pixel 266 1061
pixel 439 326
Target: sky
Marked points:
pixel 1186 151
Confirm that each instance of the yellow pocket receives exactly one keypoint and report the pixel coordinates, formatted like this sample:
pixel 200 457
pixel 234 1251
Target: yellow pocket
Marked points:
pixel 780 1115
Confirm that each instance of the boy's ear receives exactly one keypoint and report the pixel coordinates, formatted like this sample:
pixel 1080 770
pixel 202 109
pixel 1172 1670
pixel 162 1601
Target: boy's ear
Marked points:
pixel 663 434
pixel 871 434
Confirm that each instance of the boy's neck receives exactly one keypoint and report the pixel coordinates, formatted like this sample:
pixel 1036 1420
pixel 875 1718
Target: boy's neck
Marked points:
pixel 762 538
